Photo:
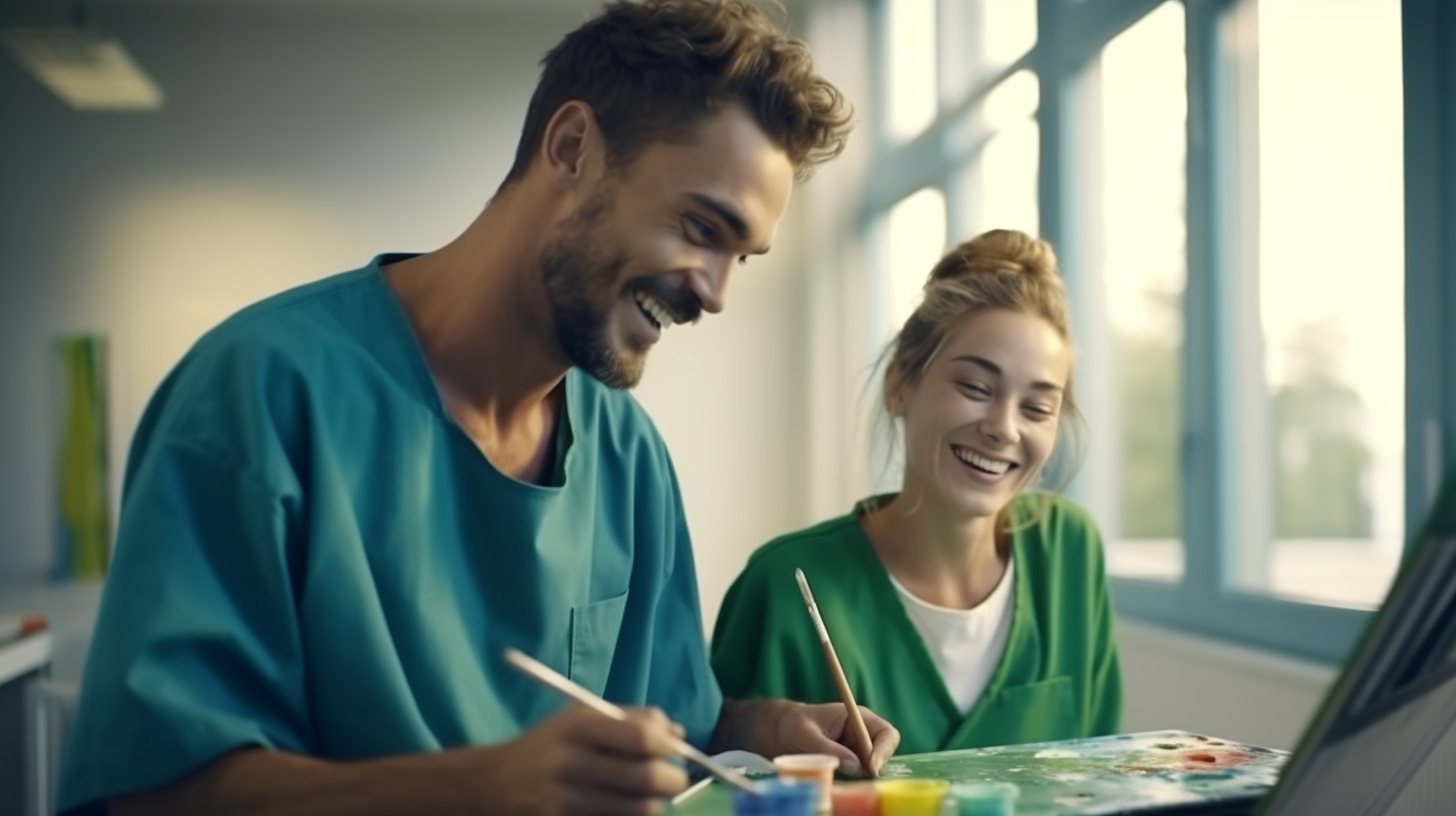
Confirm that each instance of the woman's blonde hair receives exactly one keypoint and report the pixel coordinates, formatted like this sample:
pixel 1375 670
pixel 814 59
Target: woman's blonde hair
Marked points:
pixel 997 270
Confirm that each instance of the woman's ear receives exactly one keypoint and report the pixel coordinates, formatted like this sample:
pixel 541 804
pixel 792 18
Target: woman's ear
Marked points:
pixel 894 394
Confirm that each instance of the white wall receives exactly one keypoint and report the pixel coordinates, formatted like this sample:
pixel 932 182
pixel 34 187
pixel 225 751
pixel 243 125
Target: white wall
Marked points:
pixel 1195 684
pixel 288 150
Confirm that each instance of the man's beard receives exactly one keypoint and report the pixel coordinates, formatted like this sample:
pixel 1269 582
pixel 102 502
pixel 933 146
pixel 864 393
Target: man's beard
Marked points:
pixel 579 268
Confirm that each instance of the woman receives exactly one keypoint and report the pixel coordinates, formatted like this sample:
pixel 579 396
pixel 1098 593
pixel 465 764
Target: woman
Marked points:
pixel 967 609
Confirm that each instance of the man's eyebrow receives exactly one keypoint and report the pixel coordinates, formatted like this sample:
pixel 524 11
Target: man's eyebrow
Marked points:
pixel 1039 385
pixel 728 214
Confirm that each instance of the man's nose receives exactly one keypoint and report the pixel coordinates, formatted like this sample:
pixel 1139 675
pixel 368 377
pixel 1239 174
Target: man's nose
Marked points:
pixel 709 282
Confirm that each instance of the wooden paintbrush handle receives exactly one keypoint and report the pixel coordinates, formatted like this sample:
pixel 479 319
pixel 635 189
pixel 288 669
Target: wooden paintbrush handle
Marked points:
pixel 846 696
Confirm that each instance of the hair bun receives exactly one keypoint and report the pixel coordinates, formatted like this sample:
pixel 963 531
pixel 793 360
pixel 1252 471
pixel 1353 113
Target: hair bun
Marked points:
pixel 996 252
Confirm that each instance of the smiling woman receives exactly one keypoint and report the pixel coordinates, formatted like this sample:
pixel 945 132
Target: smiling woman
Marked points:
pixel 968 609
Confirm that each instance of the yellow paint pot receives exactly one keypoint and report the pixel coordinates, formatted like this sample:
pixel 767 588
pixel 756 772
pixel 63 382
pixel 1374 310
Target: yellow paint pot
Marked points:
pixel 912 797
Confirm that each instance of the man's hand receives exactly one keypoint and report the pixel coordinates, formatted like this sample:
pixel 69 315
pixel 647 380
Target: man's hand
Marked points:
pixel 576 762
pixel 775 727
pixel 580 762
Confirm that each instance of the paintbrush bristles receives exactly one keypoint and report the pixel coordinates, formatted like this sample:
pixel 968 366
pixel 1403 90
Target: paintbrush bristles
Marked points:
pixel 813 607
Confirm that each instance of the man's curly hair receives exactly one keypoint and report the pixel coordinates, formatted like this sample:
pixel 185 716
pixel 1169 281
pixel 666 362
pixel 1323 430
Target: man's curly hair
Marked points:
pixel 653 69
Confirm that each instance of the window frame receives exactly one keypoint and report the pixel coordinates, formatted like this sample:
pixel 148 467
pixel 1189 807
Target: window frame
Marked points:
pixel 1070 34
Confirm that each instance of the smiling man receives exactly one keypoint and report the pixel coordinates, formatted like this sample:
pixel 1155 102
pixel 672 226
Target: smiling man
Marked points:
pixel 347 500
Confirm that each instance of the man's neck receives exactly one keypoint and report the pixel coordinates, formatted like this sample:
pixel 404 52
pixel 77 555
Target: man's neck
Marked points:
pixel 485 332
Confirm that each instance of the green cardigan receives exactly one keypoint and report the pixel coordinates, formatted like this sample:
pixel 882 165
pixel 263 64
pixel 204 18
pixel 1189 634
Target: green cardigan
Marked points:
pixel 1058 677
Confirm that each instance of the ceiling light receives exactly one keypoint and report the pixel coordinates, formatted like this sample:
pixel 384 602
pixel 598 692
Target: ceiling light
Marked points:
pixel 87 69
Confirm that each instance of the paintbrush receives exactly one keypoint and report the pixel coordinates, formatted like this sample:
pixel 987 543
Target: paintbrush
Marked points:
pixel 856 721
pixel 545 674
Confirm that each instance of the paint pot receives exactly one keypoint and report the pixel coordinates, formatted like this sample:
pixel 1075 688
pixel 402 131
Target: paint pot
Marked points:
pixel 984 798
pixel 855 799
pixel 815 768
pixel 912 797
pixel 777 797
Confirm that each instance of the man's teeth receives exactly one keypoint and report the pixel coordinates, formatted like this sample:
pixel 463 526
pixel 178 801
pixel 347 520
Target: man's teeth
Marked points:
pixel 989 465
pixel 658 312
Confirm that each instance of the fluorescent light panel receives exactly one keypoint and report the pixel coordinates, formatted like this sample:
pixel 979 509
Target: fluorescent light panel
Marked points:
pixel 87 69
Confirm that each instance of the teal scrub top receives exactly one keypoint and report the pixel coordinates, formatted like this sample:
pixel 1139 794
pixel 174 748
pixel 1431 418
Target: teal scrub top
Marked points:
pixel 1057 678
pixel 312 557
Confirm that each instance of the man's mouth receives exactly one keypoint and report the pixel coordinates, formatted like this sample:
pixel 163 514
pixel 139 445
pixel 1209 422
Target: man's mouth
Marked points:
pixel 985 464
pixel 653 309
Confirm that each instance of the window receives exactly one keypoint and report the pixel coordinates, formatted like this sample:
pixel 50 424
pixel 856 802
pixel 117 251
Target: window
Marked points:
pixel 1142 266
pixel 1324 522
pixel 979 38
pixel 1007 28
pixel 997 184
pixel 911 88
pixel 914 241
pixel 1225 187
pixel 958 129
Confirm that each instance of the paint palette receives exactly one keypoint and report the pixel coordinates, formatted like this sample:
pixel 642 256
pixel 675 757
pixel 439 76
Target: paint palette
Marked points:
pixel 1157 772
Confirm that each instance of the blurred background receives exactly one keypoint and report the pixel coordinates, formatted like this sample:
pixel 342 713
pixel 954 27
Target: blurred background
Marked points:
pixel 1251 200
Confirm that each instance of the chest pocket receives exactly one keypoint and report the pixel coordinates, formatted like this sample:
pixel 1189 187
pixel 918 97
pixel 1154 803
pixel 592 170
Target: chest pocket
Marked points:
pixel 1033 712
pixel 594 630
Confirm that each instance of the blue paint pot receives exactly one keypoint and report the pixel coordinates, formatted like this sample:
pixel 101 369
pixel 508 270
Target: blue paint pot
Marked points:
pixel 779 797
pixel 984 798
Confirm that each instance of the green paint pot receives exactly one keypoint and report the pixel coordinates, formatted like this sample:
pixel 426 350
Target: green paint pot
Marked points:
pixel 984 798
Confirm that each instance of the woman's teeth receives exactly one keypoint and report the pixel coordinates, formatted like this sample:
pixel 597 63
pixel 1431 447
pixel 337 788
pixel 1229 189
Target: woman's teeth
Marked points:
pixel 980 462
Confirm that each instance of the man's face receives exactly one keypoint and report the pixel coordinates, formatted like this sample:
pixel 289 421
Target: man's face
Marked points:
pixel 655 242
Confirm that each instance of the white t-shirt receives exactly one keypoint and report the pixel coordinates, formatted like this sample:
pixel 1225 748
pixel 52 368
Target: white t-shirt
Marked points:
pixel 966 644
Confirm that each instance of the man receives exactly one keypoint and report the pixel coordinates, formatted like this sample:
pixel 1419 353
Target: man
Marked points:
pixel 348 499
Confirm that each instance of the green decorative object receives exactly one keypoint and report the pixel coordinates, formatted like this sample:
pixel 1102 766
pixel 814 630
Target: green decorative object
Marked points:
pixel 83 507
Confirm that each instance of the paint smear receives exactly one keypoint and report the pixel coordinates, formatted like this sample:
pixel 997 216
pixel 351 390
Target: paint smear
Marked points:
pixel 894 770
pixel 1195 760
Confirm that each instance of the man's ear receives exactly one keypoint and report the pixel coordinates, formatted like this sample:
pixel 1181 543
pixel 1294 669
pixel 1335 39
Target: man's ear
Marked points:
pixel 570 143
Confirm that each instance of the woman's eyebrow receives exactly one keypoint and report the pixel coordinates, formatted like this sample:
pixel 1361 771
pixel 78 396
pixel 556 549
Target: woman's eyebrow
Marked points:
pixel 995 370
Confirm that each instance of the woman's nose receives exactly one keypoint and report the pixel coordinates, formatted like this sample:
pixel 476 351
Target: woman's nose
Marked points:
pixel 999 423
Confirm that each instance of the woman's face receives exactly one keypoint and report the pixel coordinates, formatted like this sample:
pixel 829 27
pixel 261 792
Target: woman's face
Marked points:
pixel 983 419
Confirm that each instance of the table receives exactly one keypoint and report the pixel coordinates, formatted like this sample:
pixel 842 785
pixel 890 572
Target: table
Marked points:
pixel 25 753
